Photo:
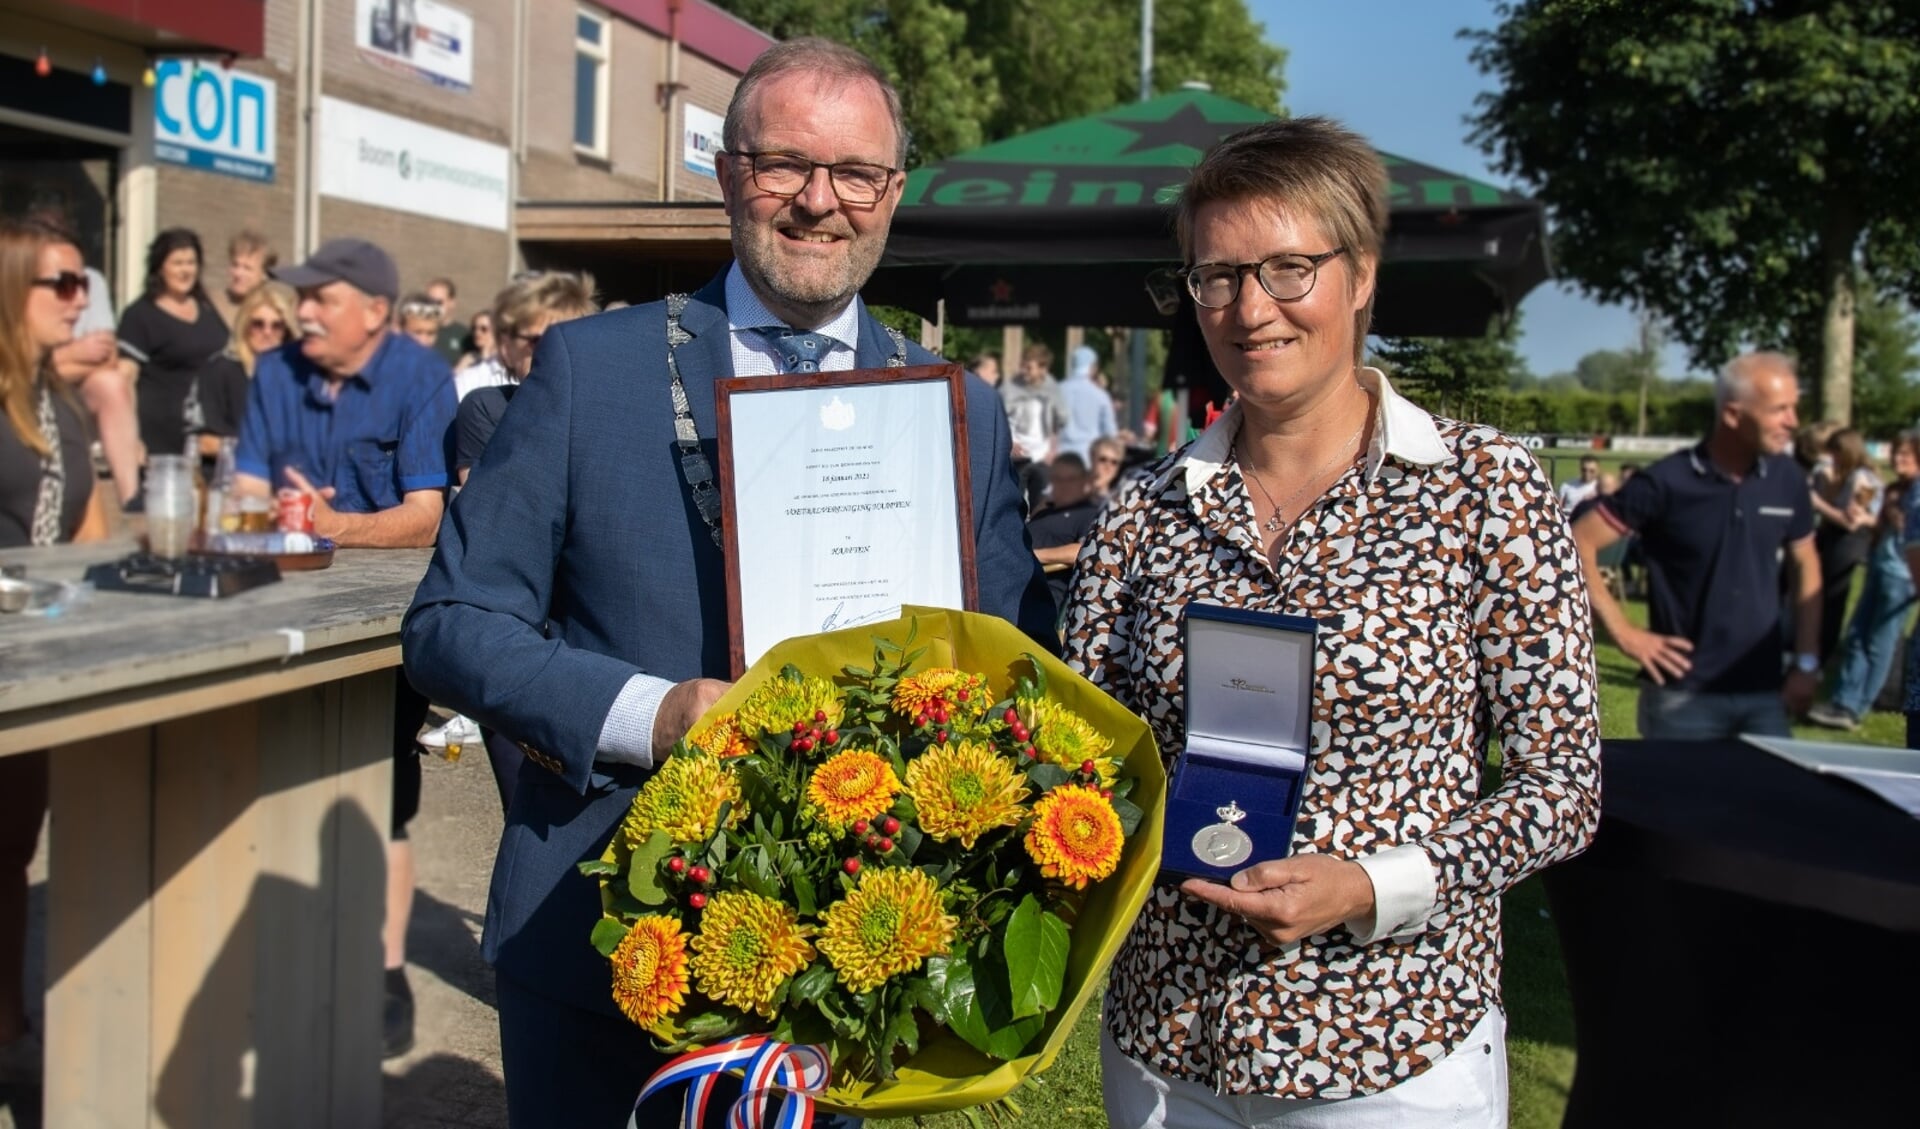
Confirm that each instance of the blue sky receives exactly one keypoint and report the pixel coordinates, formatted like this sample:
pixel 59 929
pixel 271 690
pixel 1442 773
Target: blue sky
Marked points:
pixel 1396 71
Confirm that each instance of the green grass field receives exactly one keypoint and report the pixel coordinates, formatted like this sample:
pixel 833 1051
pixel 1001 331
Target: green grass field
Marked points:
pixel 1539 1016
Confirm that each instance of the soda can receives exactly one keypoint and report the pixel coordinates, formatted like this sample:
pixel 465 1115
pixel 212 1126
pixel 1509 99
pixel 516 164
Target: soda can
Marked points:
pixel 296 512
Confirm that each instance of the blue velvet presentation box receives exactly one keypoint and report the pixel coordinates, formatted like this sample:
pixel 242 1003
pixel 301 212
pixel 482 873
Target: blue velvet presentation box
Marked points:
pixel 1235 793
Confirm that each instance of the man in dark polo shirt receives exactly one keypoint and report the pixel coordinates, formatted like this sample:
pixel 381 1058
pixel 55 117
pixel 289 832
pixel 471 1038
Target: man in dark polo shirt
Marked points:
pixel 1715 523
pixel 359 418
pixel 1062 524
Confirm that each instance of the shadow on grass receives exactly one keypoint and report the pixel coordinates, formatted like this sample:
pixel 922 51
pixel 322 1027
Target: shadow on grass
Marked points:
pixel 1534 984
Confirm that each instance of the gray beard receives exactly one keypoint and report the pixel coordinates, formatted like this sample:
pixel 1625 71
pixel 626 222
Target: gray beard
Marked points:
pixel 804 302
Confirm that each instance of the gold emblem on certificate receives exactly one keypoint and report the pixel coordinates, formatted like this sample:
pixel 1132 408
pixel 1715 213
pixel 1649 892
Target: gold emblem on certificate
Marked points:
pixel 1223 844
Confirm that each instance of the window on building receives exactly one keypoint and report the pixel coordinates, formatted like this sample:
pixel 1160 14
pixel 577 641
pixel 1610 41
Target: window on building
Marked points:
pixel 591 40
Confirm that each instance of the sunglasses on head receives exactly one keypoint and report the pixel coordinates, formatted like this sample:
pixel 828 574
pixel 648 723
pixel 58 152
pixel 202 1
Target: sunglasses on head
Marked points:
pixel 64 285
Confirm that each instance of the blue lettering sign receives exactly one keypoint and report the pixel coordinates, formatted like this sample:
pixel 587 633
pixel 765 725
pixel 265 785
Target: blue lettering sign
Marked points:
pixel 204 80
pixel 213 118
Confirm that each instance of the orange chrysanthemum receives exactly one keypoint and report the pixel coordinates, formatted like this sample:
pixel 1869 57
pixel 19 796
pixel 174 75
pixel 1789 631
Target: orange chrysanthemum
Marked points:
pixel 1076 835
pixel 650 971
pixel 960 694
pixel 853 784
pixel 721 738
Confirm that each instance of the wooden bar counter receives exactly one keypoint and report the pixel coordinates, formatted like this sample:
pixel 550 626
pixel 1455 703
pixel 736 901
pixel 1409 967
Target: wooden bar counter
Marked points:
pixel 220 804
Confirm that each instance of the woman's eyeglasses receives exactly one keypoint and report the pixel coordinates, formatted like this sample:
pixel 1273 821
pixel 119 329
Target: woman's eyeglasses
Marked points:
pixel 258 325
pixel 530 339
pixel 1285 278
pixel 65 286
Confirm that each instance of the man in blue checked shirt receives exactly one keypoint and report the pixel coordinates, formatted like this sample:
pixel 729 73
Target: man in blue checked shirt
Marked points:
pixel 360 419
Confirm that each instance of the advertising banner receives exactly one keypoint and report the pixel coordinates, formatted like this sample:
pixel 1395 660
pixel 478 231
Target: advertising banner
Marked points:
pixel 214 118
pixel 391 162
pixel 428 38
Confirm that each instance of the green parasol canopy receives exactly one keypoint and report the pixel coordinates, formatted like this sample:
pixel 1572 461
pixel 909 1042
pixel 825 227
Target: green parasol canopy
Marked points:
pixel 1064 225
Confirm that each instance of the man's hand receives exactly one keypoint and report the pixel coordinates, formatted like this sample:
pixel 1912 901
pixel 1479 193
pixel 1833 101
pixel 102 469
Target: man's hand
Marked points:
pixel 1797 693
pixel 326 521
pixel 1661 656
pixel 681 707
pixel 1287 899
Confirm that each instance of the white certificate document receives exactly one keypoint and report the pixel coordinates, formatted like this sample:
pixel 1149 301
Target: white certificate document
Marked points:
pixel 846 503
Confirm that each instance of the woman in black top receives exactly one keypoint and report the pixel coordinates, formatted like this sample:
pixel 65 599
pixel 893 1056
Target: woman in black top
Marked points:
pixel 170 335
pixel 46 496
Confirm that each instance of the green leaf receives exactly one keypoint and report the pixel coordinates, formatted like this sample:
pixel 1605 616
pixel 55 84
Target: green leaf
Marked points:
pixel 908 840
pixel 812 983
pixel 979 1010
pixel 1036 956
pixel 803 895
pixel 643 870
pixel 599 868
pixel 1130 816
pixel 1046 777
pixel 607 935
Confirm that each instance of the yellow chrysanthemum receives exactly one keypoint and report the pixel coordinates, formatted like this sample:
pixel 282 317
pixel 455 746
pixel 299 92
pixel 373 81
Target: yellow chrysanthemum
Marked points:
pixel 746 948
pixel 776 704
pixel 683 799
pixel 650 970
pixel 1076 835
pixel 890 924
pixel 963 695
pixel 720 738
pixel 962 791
pixel 853 784
pixel 1063 737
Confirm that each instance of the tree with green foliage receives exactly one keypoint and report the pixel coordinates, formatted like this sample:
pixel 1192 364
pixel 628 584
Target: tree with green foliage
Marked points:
pixel 974 71
pixel 1886 357
pixel 1738 167
pixel 1453 376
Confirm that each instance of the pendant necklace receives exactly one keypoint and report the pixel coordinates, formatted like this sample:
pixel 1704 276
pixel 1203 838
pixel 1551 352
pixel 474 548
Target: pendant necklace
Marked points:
pixel 1276 522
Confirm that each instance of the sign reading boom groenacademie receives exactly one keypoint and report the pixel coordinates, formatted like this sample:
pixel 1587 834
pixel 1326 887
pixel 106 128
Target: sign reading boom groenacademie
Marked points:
pixel 213 118
pixel 374 158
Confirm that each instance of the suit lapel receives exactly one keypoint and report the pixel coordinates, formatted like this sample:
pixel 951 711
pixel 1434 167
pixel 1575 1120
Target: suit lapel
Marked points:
pixel 875 344
pixel 709 356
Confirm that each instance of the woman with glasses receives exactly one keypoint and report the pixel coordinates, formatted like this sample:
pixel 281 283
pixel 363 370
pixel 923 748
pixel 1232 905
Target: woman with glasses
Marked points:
pixel 1107 455
pixel 521 313
pixel 481 336
pixel 264 321
pixel 1356 980
pixel 47 496
pixel 168 337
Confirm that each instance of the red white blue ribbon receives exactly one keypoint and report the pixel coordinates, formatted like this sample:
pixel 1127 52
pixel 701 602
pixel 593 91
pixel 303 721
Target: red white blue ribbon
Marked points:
pixel 771 1069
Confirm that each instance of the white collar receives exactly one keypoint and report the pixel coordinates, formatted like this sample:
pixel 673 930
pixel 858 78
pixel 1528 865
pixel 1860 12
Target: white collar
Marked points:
pixel 1403 430
pixel 745 310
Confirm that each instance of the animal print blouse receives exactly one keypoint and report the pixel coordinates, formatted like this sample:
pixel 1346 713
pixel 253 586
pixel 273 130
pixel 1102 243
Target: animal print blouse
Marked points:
pixel 1453 617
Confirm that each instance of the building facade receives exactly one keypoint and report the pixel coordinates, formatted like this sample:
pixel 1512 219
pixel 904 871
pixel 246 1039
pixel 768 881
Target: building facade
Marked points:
pixel 430 126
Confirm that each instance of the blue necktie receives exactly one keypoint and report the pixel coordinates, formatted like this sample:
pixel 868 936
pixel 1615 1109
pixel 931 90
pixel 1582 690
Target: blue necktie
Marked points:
pixel 799 349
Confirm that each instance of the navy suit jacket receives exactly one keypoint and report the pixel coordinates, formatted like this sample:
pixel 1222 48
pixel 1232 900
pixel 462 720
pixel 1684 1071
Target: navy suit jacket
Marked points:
pixel 575 557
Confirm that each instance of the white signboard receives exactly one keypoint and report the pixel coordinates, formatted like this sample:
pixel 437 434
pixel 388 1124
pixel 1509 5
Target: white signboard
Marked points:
pixel 699 138
pixel 426 37
pixel 213 118
pixel 389 162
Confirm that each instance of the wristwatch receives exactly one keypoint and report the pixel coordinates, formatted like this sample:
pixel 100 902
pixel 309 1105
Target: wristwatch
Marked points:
pixel 1806 663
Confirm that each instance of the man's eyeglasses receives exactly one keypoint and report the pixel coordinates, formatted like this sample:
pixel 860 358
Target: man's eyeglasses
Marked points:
pixel 65 286
pixel 1285 278
pixel 258 324
pixel 783 174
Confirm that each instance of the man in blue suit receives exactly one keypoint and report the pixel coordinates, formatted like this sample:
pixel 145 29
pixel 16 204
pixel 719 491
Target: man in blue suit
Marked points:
pixel 578 599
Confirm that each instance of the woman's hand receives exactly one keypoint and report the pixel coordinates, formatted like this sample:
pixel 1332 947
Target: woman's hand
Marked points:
pixel 1287 899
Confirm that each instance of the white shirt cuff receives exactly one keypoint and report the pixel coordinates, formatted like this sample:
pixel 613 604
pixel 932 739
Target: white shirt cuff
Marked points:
pixel 626 737
pixel 1405 888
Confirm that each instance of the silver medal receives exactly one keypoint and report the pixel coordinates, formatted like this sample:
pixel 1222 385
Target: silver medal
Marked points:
pixel 1223 844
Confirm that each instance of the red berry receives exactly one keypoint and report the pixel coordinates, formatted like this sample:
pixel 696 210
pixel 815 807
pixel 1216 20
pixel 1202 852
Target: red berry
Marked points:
pixel 833 736
pixel 1086 767
pixel 819 715
pixel 676 864
pixel 1106 793
pixel 1020 732
pixel 816 734
pixel 1012 716
pixel 1029 752
pixel 799 727
pixel 884 845
pixel 851 866
pixel 940 736
pixel 890 825
pixel 859 827
pixel 872 841
pixel 697 900
pixel 960 696
pixel 700 875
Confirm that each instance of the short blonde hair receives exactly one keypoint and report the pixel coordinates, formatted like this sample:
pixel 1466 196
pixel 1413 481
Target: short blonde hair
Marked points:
pixel 284 302
pixel 1316 169
pixel 559 295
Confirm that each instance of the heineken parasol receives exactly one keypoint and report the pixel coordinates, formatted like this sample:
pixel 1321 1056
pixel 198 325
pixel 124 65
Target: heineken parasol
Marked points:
pixel 1064 225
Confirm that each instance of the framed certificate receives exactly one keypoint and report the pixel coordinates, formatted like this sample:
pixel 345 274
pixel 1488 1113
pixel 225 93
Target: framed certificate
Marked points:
pixel 844 495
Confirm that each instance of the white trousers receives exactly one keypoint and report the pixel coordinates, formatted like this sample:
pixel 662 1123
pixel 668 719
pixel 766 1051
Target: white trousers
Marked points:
pixel 1465 1090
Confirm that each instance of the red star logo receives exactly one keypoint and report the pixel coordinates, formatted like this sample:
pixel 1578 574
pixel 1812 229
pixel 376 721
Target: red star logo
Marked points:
pixel 1002 290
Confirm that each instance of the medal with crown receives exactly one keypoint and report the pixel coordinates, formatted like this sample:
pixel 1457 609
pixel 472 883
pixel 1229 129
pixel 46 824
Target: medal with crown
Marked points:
pixel 1223 843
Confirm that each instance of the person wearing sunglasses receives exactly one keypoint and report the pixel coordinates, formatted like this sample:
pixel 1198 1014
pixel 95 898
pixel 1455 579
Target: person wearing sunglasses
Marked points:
pixel 1355 980
pixel 263 323
pixel 47 496
pixel 168 337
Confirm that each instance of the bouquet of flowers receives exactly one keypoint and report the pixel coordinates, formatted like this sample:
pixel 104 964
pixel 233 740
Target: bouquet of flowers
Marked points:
pixel 916 866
